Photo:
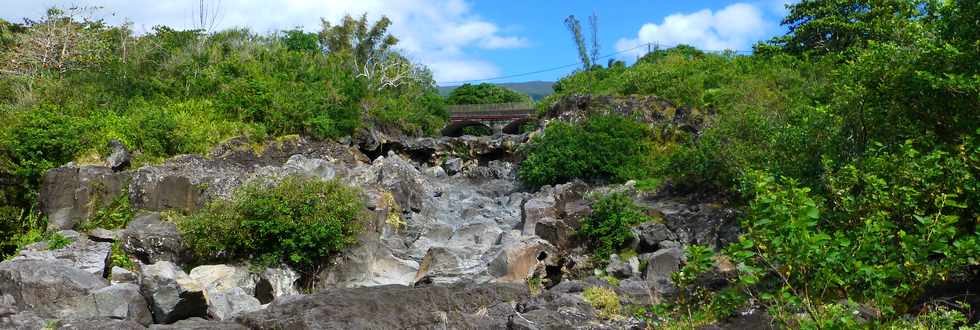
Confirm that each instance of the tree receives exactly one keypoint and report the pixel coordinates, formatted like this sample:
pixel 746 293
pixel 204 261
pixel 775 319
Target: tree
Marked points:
pixel 832 26
pixel 357 38
pixel 371 53
pixel 60 42
pixel 575 27
pixel 484 94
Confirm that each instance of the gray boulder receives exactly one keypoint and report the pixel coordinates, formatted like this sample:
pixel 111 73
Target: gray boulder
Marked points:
pixel 119 157
pixel 197 323
pixel 222 278
pixel 150 239
pixel 391 307
pixel 172 294
pixel 517 262
pixel 84 254
pixel 229 290
pixel 660 266
pixel 650 235
pixel 635 291
pixel 119 301
pixel 11 318
pixel 123 275
pixel 101 324
pixel 28 283
pixel 227 304
pixel 453 165
pixel 622 268
pixel 709 224
pixel 555 214
pixel 103 235
pixel 276 282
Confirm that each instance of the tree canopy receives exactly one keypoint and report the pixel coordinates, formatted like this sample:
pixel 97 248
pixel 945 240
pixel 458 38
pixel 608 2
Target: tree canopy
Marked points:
pixel 484 93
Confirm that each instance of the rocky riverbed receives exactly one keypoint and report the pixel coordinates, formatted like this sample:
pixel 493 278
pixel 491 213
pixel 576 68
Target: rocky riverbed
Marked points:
pixel 454 242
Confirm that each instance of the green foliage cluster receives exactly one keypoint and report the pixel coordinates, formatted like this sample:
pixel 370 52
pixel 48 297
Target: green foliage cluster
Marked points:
pixel 484 93
pixel 477 130
pixel 168 92
pixel 608 227
pixel 602 148
pixel 851 144
pixel 116 215
pixel 57 241
pixel 298 221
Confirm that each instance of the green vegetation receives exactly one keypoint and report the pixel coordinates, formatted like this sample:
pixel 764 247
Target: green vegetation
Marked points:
pixel 851 145
pixel 119 257
pixel 608 227
pixel 605 301
pixel 484 93
pixel 299 221
pixel 169 92
pixel 603 148
pixel 116 215
pixel 57 241
pixel 19 228
pixel 477 130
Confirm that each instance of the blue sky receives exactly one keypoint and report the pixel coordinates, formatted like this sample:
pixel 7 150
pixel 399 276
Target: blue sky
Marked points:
pixel 462 40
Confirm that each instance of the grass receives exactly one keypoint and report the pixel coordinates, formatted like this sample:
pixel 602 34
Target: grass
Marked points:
pixel 605 301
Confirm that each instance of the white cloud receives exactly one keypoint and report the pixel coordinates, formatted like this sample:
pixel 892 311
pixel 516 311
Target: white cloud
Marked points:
pixel 436 33
pixel 735 27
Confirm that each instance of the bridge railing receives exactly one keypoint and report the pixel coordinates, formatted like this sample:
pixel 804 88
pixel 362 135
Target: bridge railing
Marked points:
pixel 491 108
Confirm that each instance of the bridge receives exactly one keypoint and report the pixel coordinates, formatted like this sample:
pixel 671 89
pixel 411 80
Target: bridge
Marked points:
pixel 505 118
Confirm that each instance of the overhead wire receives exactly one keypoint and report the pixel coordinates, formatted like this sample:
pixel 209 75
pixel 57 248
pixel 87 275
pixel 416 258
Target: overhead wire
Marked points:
pixel 648 45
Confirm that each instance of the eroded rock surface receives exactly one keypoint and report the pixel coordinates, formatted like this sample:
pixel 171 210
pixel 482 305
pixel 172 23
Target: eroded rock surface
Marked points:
pixel 453 241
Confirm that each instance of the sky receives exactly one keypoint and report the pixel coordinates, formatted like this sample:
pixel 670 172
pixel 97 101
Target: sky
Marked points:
pixel 471 40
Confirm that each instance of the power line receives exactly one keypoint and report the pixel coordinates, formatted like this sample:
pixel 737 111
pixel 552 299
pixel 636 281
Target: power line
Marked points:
pixel 646 45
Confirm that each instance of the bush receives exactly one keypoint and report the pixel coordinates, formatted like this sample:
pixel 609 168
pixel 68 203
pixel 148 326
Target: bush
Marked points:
pixel 299 221
pixel 603 148
pixel 609 225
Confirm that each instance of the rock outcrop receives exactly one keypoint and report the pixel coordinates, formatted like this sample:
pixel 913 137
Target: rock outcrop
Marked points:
pixel 84 254
pixel 394 307
pixel 453 241
pixel 29 283
pixel 71 194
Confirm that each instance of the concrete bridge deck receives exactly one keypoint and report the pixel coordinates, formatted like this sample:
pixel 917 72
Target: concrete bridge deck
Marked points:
pixel 504 118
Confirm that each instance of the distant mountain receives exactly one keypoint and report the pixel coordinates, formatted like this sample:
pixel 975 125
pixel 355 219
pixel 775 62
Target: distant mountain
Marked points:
pixel 536 89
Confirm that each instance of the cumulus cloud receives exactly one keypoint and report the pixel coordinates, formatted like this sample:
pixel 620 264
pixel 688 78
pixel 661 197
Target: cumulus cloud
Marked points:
pixel 436 33
pixel 735 27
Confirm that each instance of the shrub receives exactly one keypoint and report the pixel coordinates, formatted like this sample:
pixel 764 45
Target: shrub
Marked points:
pixel 603 148
pixel 605 301
pixel 609 225
pixel 299 221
